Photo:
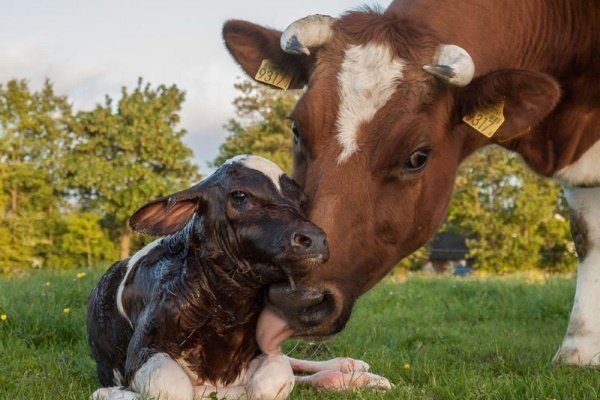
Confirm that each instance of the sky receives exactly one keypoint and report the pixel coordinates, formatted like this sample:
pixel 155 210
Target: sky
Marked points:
pixel 92 48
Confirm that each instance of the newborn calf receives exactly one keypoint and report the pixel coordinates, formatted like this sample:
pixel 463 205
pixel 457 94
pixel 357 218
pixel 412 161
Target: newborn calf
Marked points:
pixel 177 320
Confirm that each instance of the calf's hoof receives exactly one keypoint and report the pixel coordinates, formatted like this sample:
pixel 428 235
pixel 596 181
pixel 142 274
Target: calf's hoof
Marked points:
pixel 337 381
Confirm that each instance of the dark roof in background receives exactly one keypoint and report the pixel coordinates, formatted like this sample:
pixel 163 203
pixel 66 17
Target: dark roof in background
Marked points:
pixel 448 246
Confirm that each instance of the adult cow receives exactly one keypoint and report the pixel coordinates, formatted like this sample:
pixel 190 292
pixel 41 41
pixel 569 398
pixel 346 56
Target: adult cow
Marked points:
pixel 379 133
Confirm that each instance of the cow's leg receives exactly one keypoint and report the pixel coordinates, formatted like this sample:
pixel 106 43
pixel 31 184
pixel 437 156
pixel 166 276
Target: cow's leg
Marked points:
pixel 581 345
pixel 162 378
pixel 342 364
pixel 337 380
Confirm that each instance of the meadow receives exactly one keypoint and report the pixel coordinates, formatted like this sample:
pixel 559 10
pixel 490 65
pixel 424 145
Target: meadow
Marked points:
pixel 434 338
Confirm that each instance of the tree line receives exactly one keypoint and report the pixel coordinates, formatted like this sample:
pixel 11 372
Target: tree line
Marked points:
pixel 70 179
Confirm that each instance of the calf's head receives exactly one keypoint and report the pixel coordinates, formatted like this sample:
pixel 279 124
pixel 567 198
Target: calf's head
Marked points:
pixel 248 216
pixel 378 137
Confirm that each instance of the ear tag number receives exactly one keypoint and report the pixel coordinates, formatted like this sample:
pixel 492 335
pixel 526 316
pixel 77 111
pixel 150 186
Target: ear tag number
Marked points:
pixel 270 74
pixel 487 120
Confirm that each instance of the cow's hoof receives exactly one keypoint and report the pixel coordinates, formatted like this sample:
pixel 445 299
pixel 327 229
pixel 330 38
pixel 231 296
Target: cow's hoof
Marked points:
pixel 578 352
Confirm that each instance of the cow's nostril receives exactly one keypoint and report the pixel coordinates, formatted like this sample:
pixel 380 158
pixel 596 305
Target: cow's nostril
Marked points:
pixel 300 240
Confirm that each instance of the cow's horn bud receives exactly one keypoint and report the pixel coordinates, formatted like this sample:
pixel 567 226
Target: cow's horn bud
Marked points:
pixel 452 65
pixel 312 31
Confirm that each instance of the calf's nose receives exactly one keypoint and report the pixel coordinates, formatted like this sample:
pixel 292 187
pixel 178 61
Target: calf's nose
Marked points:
pixel 310 242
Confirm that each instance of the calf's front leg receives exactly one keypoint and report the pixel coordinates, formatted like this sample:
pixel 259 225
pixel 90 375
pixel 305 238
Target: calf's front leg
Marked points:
pixel 581 345
pixel 269 377
pixel 162 378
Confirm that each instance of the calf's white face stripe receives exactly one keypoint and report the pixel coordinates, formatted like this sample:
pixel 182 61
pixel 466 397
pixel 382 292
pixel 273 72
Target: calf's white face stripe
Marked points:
pixel 132 261
pixel 260 164
pixel 367 80
pixel 585 171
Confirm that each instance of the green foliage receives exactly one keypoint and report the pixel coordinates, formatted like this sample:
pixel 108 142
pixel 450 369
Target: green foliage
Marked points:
pixel 262 126
pixel 83 242
pixel 132 153
pixel 33 141
pixel 513 219
pixel 68 182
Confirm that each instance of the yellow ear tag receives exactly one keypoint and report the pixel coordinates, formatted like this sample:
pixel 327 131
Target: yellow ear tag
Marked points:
pixel 270 74
pixel 487 120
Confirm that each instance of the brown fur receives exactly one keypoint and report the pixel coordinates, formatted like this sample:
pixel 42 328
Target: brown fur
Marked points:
pixel 540 56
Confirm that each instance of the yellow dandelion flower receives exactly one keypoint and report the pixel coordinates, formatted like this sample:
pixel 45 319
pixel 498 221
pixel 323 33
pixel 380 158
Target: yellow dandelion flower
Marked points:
pixel 406 366
pixel 66 310
pixel 80 275
pixel 3 317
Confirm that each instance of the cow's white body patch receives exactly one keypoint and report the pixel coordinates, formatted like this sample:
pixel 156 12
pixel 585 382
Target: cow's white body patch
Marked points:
pixel 581 345
pixel 584 171
pixel 368 79
pixel 132 261
pixel 261 164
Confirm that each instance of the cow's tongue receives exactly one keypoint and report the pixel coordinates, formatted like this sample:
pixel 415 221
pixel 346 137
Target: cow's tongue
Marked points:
pixel 271 332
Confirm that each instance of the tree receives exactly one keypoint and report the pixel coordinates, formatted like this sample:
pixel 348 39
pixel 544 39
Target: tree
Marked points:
pixel 513 219
pixel 83 242
pixel 34 137
pixel 128 153
pixel 262 126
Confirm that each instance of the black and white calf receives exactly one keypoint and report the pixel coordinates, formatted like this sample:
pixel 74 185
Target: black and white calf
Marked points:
pixel 178 320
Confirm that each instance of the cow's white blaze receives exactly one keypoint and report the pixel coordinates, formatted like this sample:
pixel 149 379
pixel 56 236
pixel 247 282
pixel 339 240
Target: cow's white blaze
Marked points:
pixel 132 261
pixel 581 345
pixel 367 80
pixel 267 167
pixel 585 171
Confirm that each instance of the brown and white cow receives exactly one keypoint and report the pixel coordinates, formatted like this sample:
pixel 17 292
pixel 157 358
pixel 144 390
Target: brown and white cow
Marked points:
pixel 379 133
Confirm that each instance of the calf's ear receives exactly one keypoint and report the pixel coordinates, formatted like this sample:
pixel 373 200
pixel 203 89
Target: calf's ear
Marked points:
pixel 250 44
pixel 168 215
pixel 527 98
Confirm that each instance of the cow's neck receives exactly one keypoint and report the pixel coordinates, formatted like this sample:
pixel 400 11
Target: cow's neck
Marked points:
pixel 555 37
pixel 558 38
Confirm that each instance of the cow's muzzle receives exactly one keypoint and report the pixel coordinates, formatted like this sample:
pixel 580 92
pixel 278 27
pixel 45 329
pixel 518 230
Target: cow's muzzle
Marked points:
pixel 309 311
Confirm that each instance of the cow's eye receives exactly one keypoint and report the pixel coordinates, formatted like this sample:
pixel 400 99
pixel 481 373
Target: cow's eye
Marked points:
pixel 238 197
pixel 418 160
pixel 296 131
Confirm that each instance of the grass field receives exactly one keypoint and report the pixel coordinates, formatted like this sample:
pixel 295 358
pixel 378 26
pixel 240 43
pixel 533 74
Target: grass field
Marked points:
pixel 433 338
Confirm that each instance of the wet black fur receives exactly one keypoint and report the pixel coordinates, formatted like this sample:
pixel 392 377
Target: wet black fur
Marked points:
pixel 197 295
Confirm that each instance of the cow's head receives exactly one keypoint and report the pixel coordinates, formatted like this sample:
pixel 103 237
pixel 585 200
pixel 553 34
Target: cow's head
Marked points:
pixel 378 137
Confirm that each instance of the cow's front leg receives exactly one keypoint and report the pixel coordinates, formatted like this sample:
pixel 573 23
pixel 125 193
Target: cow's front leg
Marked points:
pixel 581 345
pixel 162 378
pixel 342 364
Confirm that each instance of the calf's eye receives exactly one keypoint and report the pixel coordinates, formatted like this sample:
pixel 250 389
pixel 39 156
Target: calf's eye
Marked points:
pixel 238 197
pixel 418 160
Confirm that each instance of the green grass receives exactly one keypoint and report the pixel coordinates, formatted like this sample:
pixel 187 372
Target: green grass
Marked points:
pixel 471 339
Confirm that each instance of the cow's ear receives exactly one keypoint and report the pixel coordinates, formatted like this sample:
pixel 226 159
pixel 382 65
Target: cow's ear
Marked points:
pixel 251 44
pixel 522 98
pixel 168 215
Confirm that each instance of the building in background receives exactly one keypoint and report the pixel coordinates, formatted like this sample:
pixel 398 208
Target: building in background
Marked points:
pixel 448 253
